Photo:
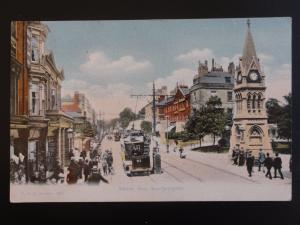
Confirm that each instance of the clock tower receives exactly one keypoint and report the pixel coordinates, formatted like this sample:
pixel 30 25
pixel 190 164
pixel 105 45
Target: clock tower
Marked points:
pixel 250 121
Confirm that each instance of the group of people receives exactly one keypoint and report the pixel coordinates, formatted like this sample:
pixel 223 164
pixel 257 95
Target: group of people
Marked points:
pixel 240 157
pixel 90 169
pixel 17 169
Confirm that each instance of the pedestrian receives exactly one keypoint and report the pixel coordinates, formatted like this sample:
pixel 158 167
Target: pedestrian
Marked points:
pixel 277 163
pixel 104 166
pixel 250 163
pixel 261 160
pixel 109 163
pixel 81 164
pixel 241 158
pixel 236 157
pixel 268 165
pixel 96 176
pixel 86 170
pixel 71 176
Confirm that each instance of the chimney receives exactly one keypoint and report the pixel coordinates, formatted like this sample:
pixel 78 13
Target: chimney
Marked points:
pixel 213 64
pixel 76 97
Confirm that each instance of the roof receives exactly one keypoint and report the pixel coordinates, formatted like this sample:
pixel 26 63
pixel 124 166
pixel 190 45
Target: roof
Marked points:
pixel 162 102
pixel 73 114
pixel 71 108
pixel 215 77
pixel 184 90
pixel 249 48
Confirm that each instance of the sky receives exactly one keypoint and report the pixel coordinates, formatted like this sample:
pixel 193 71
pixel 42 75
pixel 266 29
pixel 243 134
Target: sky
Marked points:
pixel 110 60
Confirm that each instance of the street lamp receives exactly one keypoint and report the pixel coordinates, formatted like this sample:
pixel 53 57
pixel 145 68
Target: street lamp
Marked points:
pixel 167 134
pixel 70 135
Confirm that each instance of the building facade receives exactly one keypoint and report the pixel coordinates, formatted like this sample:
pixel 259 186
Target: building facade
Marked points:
pixel 250 127
pixel 177 108
pixel 19 92
pixel 215 82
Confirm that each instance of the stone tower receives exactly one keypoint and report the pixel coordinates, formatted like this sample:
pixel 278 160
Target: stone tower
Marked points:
pixel 250 124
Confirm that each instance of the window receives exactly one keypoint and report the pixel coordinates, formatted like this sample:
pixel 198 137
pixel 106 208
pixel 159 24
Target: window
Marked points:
pixel 258 102
pixel 35 56
pixel 34 99
pixel 253 102
pixel 227 80
pixel 13 38
pixel 13 94
pixel 249 102
pixel 229 96
pixel 52 98
pixel 213 93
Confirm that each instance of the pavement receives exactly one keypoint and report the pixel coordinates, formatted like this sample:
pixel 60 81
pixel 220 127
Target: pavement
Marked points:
pixel 199 177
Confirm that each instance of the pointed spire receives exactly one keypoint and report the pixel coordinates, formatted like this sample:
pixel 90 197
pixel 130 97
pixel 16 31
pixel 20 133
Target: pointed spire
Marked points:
pixel 249 47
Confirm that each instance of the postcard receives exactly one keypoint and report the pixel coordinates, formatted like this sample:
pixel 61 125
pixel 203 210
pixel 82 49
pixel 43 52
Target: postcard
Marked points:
pixel 151 110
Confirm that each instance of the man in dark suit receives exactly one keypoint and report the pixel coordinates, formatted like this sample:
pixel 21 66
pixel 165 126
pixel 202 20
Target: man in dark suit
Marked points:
pixel 250 163
pixel 268 165
pixel 277 166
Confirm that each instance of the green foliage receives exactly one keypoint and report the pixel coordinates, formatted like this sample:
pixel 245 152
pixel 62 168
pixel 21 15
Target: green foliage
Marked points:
pixel 274 110
pixel 285 123
pixel 146 126
pixel 209 119
pixel 281 115
pixel 126 116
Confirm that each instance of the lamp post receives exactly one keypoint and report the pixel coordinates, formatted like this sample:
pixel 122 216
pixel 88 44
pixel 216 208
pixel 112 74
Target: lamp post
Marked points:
pixel 167 134
pixel 70 135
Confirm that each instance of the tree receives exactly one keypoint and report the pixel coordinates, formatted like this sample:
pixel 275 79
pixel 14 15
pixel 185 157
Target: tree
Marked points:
pixel 216 117
pixel 209 119
pixel 281 115
pixel 146 126
pixel 197 124
pixel 285 123
pixel 274 110
pixel 126 116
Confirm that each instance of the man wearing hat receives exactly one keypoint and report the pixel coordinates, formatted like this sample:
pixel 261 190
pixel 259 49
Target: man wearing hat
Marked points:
pixel 250 163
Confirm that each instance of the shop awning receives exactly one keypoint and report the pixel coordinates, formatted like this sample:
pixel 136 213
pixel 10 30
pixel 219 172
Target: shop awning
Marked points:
pixel 14 133
pixel 169 129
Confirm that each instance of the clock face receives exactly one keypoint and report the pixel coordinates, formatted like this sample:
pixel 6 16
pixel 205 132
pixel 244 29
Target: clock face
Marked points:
pixel 253 76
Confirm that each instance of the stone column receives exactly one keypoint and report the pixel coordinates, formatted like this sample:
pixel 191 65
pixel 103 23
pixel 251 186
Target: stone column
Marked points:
pixel 63 147
pixel 59 146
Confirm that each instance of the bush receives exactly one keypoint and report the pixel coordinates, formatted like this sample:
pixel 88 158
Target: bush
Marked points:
pixel 212 148
pixel 222 142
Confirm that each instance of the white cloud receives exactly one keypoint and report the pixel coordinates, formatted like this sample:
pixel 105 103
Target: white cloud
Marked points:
pixel 194 55
pixel 109 99
pixel 99 64
pixel 182 76
pixel 265 58
pixel 278 81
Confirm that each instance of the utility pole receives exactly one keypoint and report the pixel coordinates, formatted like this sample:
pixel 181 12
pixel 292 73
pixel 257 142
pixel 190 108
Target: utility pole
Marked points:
pixel 154 110
pixel 153 95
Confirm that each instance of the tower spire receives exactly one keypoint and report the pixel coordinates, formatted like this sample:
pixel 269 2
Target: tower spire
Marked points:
pixel 249 47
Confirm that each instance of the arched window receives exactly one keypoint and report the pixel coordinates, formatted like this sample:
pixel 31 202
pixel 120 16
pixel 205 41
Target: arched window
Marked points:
pixel 253 101
pixel 259 101
pixel 249 101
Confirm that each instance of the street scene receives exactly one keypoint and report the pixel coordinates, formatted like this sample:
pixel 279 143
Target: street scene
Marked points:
pixel 125 114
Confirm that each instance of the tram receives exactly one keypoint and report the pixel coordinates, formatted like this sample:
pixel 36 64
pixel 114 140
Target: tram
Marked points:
pixel 136 153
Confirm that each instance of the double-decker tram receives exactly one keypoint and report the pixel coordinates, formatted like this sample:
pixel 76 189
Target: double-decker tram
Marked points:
pixel 136 153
